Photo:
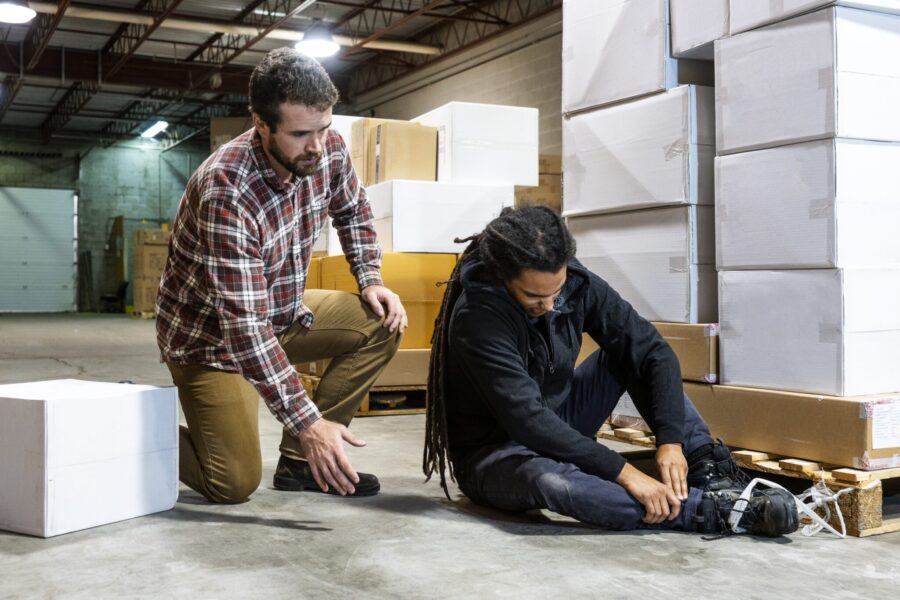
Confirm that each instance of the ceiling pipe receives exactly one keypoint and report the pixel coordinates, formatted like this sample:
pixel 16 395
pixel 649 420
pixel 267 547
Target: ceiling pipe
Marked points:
pixel 116 16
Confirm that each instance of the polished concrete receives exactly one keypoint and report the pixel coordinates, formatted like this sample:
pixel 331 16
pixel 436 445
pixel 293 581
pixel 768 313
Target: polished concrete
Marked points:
pixel 407 542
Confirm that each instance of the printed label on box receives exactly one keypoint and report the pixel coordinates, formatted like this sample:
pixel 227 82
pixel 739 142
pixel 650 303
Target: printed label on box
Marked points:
pixel 886 425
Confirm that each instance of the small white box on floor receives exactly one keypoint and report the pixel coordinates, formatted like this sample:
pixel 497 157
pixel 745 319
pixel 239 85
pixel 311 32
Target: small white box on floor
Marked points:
pixel 695 25
pixel 660 259
pixel 654 151
pixel 749 14
pixel 821 204
pixel 821 331
pixel 831 73
pixel 614 50
pixel 425 216
pixel 77 454
pixel 485 143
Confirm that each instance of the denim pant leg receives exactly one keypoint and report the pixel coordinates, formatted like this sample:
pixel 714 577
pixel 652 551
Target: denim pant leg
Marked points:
pixel 515 478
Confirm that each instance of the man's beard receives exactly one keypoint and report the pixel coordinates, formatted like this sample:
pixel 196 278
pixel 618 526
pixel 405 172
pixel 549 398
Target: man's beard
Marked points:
pixel 294 166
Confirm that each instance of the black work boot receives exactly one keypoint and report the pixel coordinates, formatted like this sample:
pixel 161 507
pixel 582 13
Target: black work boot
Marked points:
pixel 710 467
pixel 296 476
pixel 770 512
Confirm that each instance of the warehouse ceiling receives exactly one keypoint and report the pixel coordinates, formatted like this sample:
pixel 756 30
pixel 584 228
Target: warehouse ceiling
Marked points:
pixel 105 71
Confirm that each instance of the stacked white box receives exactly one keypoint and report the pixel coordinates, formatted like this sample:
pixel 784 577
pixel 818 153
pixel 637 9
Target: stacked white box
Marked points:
pixel 823 331
pixel 754 13
pixel 695 25
pixel 822 204
pixel 614 50
pixel 661 260
pixel 426 216
pixel 832 73
pixel 78 454
pixel 485 143
pixel 654 151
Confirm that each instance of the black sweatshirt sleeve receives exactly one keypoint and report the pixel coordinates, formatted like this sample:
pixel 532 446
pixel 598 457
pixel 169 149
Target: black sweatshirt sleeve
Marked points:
pixel 639 358
pixel 484 343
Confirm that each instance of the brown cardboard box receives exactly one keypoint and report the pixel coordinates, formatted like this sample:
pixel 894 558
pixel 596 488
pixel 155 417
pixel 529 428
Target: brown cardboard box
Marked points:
pixel 225 129
pixel 359 136
pixel 695 345
pixel 548 192
pixel 550 163
pixel 149 261
pixel 399 150
pixel 151 237
pixel 409 367
pixel 313 274
pixel 145 289
pixel 861 432
pixel 413 276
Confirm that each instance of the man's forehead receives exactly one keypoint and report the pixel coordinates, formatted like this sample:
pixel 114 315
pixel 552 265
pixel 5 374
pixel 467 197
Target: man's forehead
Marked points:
pixel 301 116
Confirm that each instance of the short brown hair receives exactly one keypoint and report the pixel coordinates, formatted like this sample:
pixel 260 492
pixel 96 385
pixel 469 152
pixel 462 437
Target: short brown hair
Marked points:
pixel 286 75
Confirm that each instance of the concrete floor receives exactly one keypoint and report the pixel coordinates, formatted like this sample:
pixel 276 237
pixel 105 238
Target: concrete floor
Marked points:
pixel 407 542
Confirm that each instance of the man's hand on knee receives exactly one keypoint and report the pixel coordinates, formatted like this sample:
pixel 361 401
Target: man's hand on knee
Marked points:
pixel 673 468
pixel 323 446
pixel 659 501
pixel 381 298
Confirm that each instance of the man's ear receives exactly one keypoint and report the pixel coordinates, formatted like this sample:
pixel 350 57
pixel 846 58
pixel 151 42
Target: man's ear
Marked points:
pixel 260 125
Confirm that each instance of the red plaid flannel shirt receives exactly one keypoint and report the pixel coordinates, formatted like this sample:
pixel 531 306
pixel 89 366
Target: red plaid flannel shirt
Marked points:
pixel 238 259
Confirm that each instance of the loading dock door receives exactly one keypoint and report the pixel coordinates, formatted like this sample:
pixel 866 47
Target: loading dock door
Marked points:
pixel 37 250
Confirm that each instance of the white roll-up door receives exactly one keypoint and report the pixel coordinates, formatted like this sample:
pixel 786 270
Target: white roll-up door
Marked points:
pixel 37 250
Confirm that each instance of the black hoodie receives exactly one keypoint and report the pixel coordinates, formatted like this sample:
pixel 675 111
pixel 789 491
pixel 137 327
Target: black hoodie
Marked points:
pixel 505 381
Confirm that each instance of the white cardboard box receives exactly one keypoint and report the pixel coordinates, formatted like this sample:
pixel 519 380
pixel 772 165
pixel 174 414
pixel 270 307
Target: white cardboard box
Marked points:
pixel 77 454
pixel 343 124
pixel 821 331
pixel 485 143
pixel 660 259
pixel 749 14
pixel 831 73
pixel 654 151
pixel 425 216
pixel 695 25
pixel 614 50
pixel 821 204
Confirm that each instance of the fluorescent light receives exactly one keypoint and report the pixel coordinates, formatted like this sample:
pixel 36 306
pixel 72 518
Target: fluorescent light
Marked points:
pixel 155 128
pixel 317 42
pixel 16 11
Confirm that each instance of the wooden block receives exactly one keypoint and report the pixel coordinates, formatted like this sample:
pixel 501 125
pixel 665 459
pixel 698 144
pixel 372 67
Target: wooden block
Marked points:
pixel 771 465
pixel 629 434
pixel 606 427
pixel 850 475
pixel 750 456
pixel 795 464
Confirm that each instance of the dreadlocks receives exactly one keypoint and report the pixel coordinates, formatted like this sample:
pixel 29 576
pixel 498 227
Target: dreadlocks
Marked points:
pixel 530 237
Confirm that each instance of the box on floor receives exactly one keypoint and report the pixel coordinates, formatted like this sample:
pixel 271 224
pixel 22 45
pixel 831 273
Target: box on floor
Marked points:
pixel 145 290
pixel 823 331
pixel 414 277
pixel 653 151
pixel 409 367
pixel 614 50
pixel 821 204
pixel 420 216
pixel 858 432
pixel 78 454
pixel 831 73
pixel 485 143
pixel 661 260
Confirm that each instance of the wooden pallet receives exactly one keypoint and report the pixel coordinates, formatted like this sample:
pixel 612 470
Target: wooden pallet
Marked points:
pixel 380 401
pixel 144 314
pixel 866 509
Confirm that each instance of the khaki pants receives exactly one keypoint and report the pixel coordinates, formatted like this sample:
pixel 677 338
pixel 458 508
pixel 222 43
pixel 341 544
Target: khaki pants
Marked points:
pixel 219 448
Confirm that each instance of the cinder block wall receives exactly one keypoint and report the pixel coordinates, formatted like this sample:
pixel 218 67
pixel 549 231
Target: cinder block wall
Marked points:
pixel 137 182
pixel 522 68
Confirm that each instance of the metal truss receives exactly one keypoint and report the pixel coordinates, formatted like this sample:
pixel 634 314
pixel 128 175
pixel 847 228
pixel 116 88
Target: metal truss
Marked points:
pixel 451 35
pixel 41 31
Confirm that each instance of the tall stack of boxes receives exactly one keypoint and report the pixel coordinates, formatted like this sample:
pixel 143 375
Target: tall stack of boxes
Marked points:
pixel 441 176
pixel 151 249
pixel 806 216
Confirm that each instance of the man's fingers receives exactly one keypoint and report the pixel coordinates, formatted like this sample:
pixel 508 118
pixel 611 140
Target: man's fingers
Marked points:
pixel 317 476
pixel 352 439
pixel 665 475
pixel 333 478
pixel 674 504
pixel 375 303
pixel 347 469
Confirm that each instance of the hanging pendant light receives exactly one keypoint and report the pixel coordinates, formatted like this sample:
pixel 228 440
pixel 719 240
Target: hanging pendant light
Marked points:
pixel 15 11
pixel 317 42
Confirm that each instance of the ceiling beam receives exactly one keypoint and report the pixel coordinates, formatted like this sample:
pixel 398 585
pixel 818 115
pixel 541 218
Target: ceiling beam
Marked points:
pixel 40 32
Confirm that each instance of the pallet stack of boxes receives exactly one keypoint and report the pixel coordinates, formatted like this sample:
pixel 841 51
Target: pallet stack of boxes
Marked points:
pixel 150 251
pixel 638 150
pixel 441 176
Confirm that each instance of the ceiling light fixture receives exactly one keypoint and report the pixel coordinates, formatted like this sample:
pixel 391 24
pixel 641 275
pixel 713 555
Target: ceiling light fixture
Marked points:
pixel 15 11
pixel 317 42
pixel 155 128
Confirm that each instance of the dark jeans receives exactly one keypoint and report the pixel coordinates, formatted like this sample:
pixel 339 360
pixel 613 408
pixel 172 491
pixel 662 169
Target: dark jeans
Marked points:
pixel 515 478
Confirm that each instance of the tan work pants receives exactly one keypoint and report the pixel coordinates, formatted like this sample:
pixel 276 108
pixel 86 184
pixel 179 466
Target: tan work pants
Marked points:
pixel 219 449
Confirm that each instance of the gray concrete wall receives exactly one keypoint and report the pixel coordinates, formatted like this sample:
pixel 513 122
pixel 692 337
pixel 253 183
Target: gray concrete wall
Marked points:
pixel 131 179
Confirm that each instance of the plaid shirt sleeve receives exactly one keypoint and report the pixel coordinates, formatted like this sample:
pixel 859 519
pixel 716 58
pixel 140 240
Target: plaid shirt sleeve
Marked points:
pixel 237 282
pixel 352 218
